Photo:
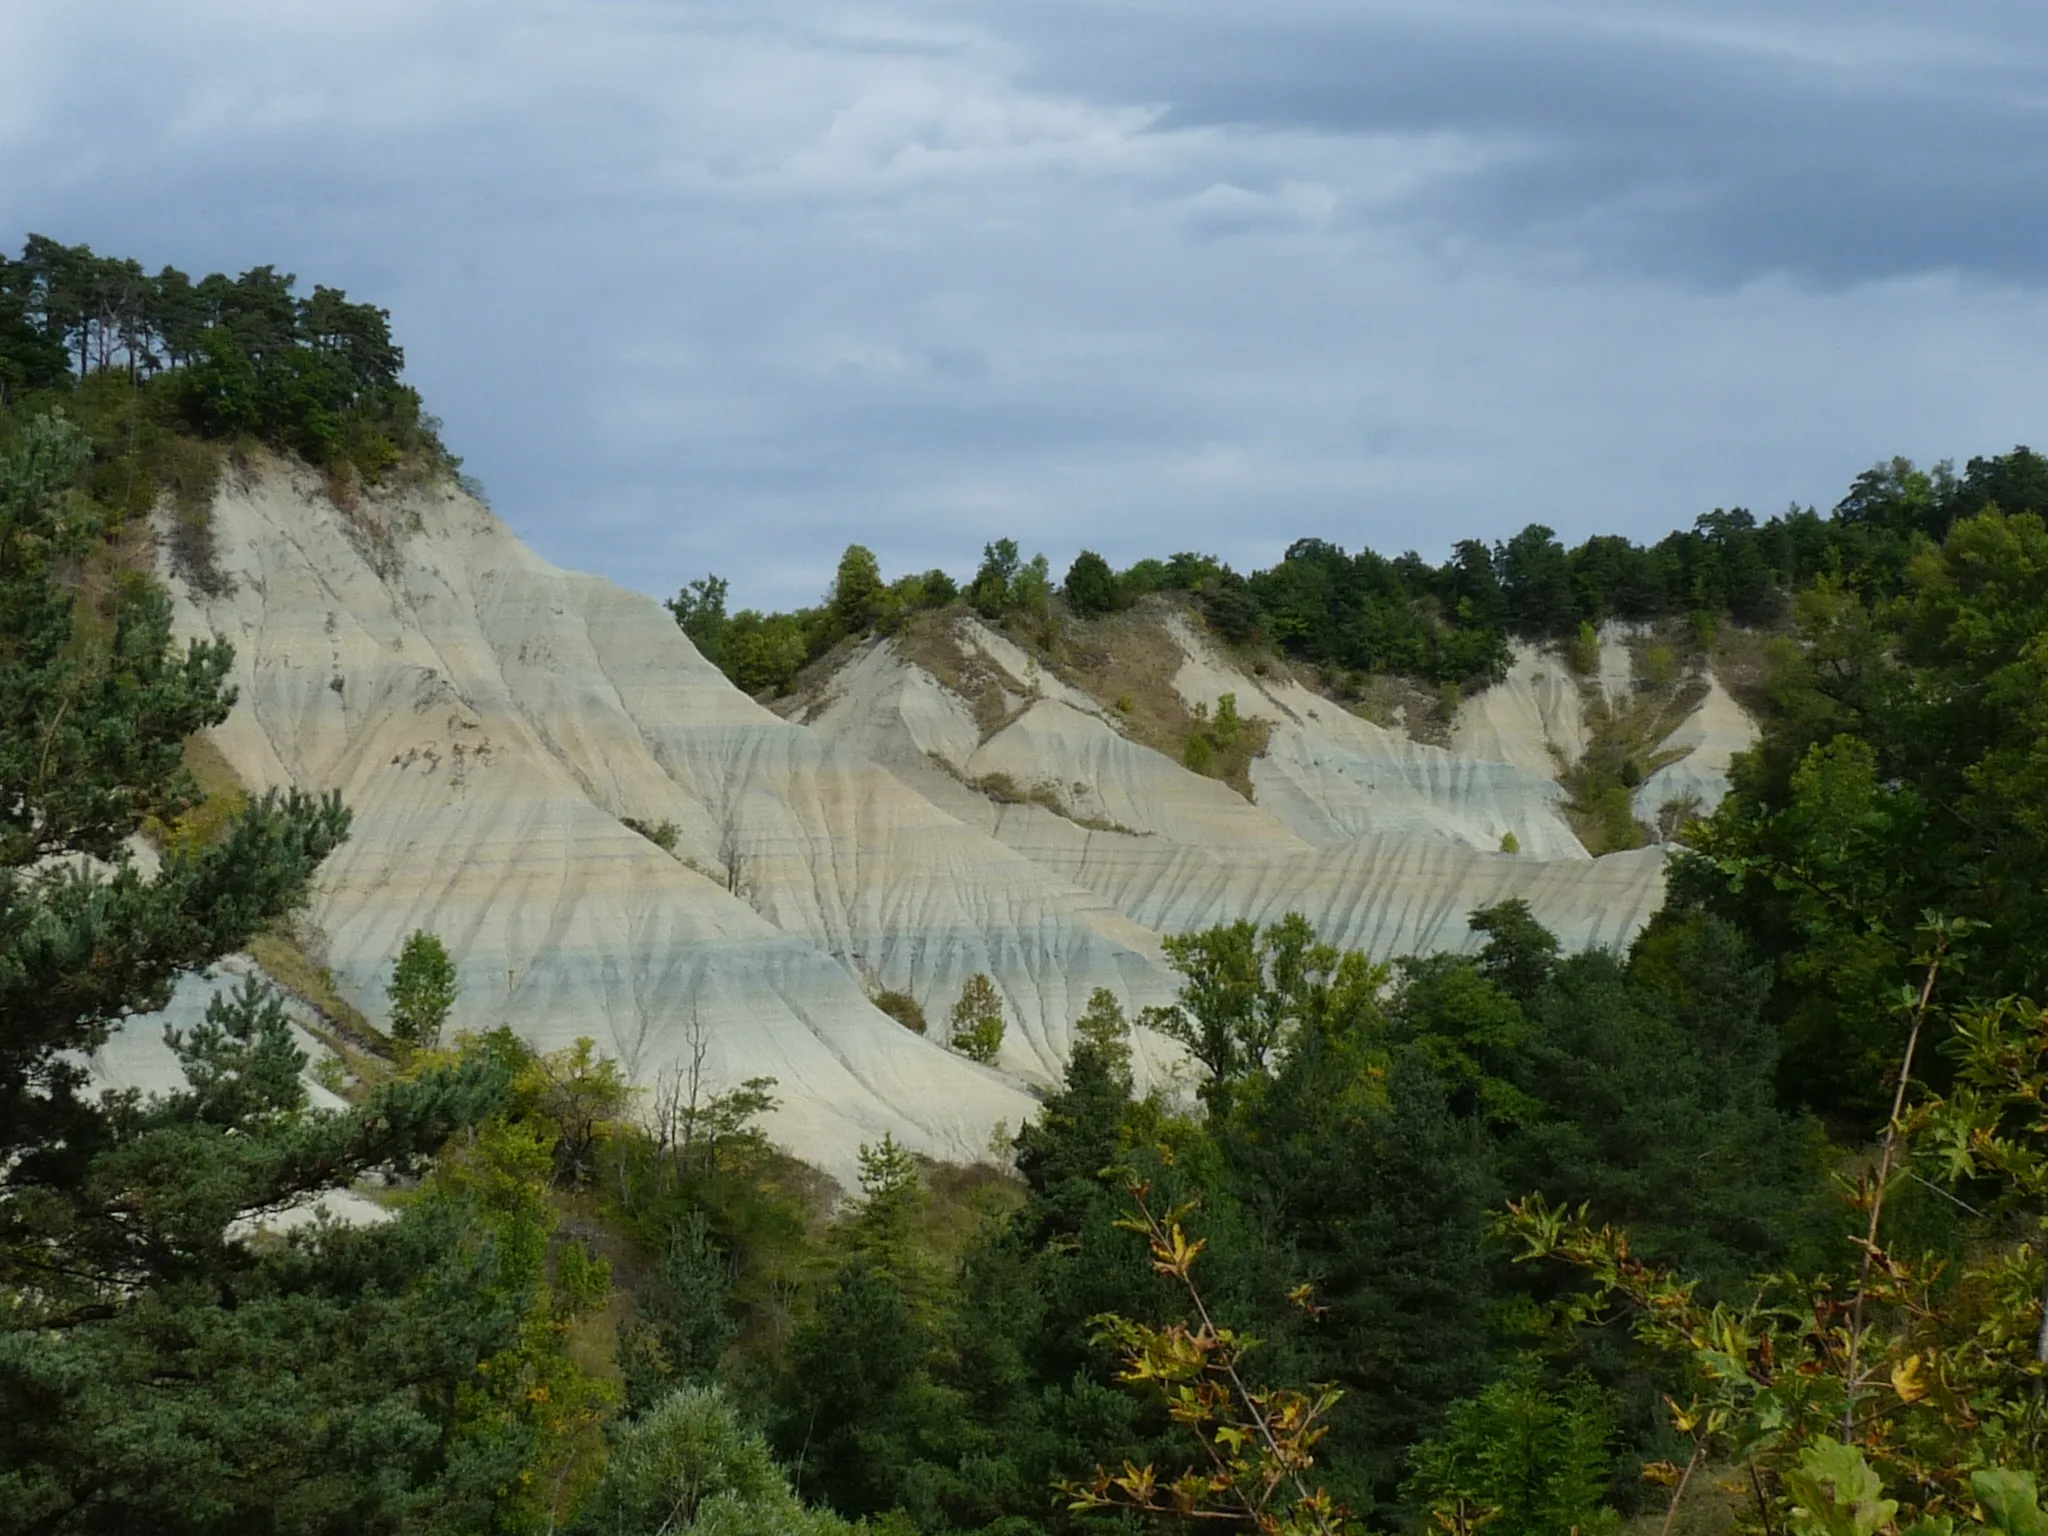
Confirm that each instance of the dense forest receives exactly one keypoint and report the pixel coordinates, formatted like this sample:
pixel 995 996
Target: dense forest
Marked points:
pixel 1446 624
pixel 1742 1228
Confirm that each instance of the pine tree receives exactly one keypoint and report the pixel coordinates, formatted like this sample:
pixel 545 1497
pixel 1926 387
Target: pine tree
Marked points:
pixel 158 1372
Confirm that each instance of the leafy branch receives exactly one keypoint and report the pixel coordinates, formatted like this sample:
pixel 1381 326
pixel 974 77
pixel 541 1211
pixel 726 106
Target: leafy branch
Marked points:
pixel 1259 1441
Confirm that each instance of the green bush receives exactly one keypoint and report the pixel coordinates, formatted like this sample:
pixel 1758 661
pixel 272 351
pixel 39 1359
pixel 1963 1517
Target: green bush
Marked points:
pixel 689 1464
pixel 1582 651
pixel 903 1008
pixel 422 990
pixel 1539 1458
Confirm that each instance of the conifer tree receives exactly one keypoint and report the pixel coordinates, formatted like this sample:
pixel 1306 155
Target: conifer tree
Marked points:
pixel 978 1019
pixel 158 1371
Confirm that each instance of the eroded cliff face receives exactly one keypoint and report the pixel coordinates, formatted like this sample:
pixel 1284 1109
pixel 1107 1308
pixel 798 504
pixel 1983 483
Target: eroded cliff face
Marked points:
pixel 495 723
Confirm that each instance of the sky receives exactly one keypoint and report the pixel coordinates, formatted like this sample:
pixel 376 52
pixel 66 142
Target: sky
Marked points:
pixel 727 286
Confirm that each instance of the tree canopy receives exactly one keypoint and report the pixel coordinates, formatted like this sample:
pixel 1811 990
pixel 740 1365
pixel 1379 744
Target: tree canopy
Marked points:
pixel 1360 612
pixel 220 358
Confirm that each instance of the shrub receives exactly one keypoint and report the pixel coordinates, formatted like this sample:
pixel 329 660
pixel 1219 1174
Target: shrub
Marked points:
pixel 858 595
pixel 1540 1459
pixel 689 1464
pixel 903 1008
pixel 663 834
pixel 1227 722
pixel 990 589
pixel 1582 651
pixel 1031 590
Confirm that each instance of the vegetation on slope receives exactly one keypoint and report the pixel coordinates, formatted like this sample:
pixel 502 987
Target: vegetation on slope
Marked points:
pixel 601 1312
pixel 1360 612
pixel 169 379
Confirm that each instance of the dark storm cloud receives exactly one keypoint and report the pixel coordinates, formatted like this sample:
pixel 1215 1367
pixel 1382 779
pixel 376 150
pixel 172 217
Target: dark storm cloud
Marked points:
pixel 1839 143
pixel 717 286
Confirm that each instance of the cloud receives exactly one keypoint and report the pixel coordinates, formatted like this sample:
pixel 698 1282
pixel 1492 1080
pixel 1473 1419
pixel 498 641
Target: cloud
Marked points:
pixel 707 286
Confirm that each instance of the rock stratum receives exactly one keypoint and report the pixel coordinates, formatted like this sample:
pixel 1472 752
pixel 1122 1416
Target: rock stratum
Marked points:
pixel 495 723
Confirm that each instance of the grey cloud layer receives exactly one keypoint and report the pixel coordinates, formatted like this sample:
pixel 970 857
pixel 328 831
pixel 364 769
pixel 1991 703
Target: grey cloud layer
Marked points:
pixel 697 290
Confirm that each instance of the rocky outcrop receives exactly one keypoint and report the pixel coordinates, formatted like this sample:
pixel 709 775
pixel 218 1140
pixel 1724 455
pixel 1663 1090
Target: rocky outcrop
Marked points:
pixel 501 728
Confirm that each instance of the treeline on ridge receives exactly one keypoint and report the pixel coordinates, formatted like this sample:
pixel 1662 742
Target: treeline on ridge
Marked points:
pixel 149 364
pixel 1362 612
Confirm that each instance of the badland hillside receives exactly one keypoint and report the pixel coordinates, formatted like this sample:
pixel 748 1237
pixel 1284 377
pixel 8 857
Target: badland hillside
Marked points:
pixel 486 1049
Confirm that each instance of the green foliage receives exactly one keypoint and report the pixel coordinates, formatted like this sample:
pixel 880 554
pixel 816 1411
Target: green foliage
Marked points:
pixel 1834 1493
pixel 529 1406
pixel 978 1019
pixel 903 1008
pixel 222 358
pixel 1031 589
pixel 1091 587
pixel 993 589
pixel 580 1096
pixel 161 1368
pixel 1907 1368
pixel 762 653
pixel 858 595
pixel 1449 625
pixel 699 610
pixel 1259 1441
pixel 1224 745
pixel 1104 1030
pixel 884 1219
pixel 684 1324
pixel 1520 954
pixel 1582 651
pixel 1226 727
pixel 1521 1457
pixel 2011 1502
pixel 664 834
pixel 1245 992
pixel 712 1210
pixel 688 1464
pixel 1899 772
pixel 423 989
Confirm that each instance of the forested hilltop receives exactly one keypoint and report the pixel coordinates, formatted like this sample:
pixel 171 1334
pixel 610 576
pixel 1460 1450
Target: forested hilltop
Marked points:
pixel 1364 613
pixel 1741 1228
pixel 165 373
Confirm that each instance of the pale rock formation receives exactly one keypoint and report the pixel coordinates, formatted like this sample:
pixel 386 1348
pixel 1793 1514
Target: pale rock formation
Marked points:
pixel 492 721
pixel 1533 718
pixel 1334 778
pixel 1386 844
pixel 1709 737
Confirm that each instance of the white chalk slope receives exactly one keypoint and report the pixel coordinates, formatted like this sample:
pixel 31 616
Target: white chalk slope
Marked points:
pixel 492 720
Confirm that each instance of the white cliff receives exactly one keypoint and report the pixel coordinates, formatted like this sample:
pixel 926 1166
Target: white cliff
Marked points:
pixel 494 722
